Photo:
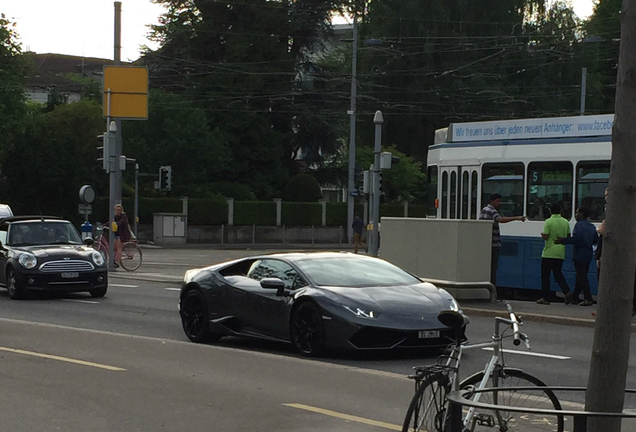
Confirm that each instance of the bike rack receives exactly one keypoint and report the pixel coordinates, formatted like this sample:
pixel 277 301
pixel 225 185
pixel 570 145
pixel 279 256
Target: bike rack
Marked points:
pixel 456 398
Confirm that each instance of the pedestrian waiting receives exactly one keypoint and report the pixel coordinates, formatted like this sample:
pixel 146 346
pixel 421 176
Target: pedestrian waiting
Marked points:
pixel 553 255
pixel 584 237
pixel 491 212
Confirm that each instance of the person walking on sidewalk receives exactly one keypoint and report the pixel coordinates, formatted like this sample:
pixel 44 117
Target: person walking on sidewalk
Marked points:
pixel 553 254
pixel 358 226
pixel 584 237
pixel 490 212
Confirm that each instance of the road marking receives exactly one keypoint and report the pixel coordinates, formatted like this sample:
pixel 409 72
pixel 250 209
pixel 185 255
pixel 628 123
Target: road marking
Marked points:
pixel 346 416
pixel 173 289
pixel 123 286
pixel 63 359
pixel 529 353
pixel 81 301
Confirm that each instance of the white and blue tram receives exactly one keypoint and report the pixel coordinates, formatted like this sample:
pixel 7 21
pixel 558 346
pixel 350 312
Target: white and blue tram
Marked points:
pixel 531 163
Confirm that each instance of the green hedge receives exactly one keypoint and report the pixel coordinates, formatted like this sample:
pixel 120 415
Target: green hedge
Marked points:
pixel 261 213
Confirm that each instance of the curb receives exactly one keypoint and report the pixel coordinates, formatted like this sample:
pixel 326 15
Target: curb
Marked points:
pixel 540 318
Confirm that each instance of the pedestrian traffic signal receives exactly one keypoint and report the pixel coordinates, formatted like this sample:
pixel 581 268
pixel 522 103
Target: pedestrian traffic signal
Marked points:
pixel 165 178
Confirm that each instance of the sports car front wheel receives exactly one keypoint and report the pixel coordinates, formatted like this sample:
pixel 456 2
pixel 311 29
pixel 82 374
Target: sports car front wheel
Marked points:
pixel 195 318
pixel 307 330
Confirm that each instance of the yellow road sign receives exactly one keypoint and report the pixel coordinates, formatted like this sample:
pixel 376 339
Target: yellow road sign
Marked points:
pixel 126 92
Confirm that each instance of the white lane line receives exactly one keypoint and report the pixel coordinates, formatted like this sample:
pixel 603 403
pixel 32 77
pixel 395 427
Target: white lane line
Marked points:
pixel 529 353
pixel 123 286
pixel 81 301
pixel 173 289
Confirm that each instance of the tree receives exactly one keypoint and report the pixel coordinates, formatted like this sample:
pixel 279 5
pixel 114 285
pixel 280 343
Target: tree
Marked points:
pixel 13 69
pixel 178 133
pixel 606 385
pixel 54 154
pixel 302 188
pixel 240 62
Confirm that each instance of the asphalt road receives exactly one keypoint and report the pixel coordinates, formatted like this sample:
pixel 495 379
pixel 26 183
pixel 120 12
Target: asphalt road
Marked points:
pixel 73 363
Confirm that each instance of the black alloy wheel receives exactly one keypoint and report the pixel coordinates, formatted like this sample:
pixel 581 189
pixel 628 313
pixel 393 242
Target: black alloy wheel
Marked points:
pixel 195 318
pixel 307 330
pixel 16 291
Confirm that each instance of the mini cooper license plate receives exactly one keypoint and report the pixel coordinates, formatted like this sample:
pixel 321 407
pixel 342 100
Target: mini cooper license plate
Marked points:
pixel 71 275
pixel 428 334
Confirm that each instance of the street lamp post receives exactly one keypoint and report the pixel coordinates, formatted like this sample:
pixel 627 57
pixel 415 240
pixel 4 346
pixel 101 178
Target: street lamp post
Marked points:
pixel 352 132
pixel 378 119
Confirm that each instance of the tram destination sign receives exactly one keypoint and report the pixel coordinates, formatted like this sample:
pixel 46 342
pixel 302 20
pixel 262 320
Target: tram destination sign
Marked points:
pixel 540 128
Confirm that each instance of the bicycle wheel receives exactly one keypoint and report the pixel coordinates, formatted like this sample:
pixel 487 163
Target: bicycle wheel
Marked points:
pixel 427 410
pixel 131 256
pixel 515 421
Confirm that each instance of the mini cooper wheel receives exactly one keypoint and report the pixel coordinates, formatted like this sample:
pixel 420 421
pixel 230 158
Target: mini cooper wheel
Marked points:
pixel 15 289
pixel 195 318
pixel 307 330
pixel 98 292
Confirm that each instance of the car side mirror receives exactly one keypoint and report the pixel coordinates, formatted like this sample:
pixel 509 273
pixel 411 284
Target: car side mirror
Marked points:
pixel 274 283
pixel 89 241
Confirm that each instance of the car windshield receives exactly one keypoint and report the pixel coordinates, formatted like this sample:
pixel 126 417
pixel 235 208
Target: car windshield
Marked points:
pixel 355 272
pixel 30 233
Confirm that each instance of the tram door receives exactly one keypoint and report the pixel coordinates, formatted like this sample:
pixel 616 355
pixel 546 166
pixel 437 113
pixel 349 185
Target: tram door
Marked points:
pixel 468 191
pixel 449 192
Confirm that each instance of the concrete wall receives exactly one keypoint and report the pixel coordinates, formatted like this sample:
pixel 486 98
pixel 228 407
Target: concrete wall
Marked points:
pixel 449 250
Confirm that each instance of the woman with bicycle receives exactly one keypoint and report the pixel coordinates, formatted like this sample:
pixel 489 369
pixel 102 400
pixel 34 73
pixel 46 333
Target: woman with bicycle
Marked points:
pixel 121 231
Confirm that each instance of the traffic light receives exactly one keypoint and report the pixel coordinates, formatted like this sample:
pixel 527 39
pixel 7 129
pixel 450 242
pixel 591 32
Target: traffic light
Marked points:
pixel 105 151
pixel 358 175
pixel 165 178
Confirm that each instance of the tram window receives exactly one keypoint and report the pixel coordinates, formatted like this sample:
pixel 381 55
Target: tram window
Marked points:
pixel 444 195
pixel 473 196
pixel 549 182
pixel 431 193
pixel 592 179
pixel 453 196
pixel 505 179
pixel 465 195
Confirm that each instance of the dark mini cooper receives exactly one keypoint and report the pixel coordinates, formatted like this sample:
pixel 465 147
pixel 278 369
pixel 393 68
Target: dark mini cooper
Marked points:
pixel 47 254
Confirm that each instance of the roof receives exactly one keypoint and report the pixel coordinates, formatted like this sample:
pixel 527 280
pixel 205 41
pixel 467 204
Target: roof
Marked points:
pixel 51 70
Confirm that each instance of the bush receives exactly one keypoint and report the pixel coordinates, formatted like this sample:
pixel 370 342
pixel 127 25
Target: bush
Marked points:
pixel 302 188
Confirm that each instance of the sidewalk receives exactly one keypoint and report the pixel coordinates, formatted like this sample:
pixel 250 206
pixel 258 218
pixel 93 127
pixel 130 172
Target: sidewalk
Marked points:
pixel 168 265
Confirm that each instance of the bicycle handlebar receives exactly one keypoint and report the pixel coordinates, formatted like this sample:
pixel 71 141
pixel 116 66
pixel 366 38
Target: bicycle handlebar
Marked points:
pixel 516 334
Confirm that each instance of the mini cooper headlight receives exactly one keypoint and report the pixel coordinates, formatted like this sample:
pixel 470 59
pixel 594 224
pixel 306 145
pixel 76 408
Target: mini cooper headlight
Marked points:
pixel 27 260
pixel 361 313
pixel 97 258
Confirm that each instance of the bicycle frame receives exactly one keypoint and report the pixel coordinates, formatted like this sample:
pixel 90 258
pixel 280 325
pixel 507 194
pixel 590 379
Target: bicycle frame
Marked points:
pixel 495 362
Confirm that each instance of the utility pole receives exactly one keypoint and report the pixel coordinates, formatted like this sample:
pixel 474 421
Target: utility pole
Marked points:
pixel 117 136
pixel 352 131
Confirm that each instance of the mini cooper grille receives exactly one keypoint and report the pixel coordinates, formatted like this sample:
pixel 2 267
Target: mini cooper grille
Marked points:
pixel 66 266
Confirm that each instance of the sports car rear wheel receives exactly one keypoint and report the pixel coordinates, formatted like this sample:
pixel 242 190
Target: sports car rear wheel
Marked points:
pixel 195 318
pixel 16 291
pixel 307 330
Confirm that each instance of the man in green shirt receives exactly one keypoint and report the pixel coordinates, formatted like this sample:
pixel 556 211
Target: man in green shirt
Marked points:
pixel 553 254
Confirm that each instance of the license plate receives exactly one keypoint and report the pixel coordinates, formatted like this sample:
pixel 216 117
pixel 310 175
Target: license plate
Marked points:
pixel 428 334
pixel 70 275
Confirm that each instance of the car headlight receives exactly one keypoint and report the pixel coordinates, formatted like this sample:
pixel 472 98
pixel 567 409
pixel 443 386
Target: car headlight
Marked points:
pixel 28 261
pixel 361 313
pixel 97 258
pixel 450 301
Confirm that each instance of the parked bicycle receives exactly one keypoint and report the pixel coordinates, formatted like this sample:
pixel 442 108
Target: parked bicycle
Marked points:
pixel 131 256
pixel 429 409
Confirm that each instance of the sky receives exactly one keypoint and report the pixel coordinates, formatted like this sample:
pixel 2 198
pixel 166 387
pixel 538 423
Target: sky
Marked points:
pixel 86 27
